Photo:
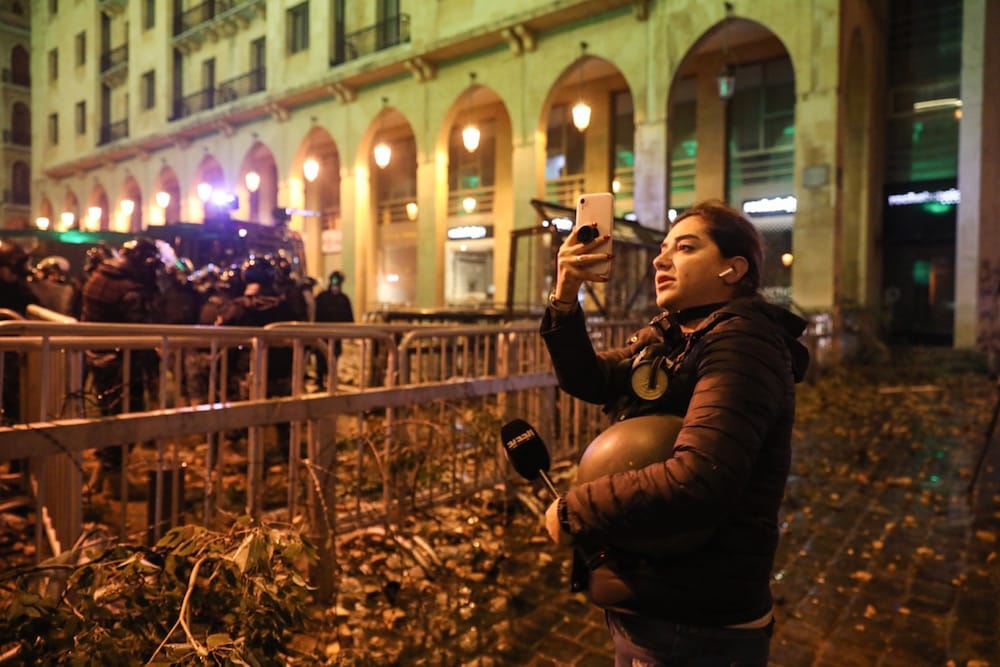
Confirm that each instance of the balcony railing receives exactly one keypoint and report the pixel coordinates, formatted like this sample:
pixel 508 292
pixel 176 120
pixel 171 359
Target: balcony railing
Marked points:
pixel 16 78
pixel 765 166
pixel 16 197
pixel 189 105
pixel 113 58
pixel 242 11
pixel 391 211
pixel 564 190
pixel 483 198
pixel 252 82
pixel 113 132
pixel 16 138
pixel 195 16
pixel 382 35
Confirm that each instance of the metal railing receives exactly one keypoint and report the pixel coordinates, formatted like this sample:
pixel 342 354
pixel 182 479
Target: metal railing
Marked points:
pixel 10 76
pixel 389 211
pixel 205 13
pixel 195 16
pixel 189 105
pixel 19 197
pixel 766 166
pixel 483 198
pixel 411 416
pixel 382 35
pixel 17 138
pixel 253 81
pixel 564 190
pixel 114 58
pixel 113 132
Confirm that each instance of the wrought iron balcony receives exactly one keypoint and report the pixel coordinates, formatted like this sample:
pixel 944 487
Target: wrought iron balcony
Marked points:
pixel 253 81
pixel 16 78
pixel 113 132
pixel 16 138
pixel 382 35
pixel 189 105
pixel 114 66
pixel 195 16
pixel 16 197
pixel 113 58
pixel 113 7
pixel 212 20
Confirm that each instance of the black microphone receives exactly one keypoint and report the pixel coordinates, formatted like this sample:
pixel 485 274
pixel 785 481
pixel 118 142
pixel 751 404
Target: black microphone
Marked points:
pixel 527 452
pixel 530 457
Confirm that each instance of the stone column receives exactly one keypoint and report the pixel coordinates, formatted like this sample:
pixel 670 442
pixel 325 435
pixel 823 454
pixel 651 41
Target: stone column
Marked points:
pixel 977 247
pixel 650 182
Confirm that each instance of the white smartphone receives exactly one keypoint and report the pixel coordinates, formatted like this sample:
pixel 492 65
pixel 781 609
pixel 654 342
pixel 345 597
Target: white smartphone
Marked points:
pixel 596 209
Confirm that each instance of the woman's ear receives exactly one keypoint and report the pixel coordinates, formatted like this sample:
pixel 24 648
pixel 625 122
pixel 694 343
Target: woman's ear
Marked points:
pixel 736 268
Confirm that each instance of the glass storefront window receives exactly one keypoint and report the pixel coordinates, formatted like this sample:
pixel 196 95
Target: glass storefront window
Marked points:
pixel 469 272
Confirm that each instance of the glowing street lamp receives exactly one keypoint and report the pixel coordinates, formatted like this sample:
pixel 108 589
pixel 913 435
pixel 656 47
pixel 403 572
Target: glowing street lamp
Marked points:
pixel 127 206
pixel 252 180
pixel 42 222
pixel 383 154
pixel 310 169
pixel 204 191
pixel 162 199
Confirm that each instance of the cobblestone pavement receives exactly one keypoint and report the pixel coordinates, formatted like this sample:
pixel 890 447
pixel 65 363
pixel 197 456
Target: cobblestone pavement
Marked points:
pixel 885 560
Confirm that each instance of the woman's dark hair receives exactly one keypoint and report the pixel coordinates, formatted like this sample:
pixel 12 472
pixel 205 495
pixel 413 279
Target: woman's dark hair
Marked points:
pixel 736 237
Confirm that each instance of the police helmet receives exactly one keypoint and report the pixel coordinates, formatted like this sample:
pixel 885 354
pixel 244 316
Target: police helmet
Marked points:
pixel 259 270
pixel 142 255
pixel 53 264
pixel 97 255
pixel 336 279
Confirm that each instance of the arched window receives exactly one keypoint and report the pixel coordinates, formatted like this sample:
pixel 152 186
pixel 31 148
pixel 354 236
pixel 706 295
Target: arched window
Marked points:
pixel 20 180
pixel 20 66
pixel 20 124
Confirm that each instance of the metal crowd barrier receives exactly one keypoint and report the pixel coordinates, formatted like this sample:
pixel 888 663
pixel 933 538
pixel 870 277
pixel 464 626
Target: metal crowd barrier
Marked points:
pixel 410 415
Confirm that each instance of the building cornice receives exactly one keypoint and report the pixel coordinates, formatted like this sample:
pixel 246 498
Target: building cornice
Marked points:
pixel 345 80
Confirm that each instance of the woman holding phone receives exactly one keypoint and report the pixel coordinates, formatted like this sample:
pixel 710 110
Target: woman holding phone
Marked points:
pixel 726 361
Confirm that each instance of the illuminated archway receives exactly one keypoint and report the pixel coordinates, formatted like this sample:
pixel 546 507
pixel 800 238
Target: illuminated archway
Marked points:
pixel 257 185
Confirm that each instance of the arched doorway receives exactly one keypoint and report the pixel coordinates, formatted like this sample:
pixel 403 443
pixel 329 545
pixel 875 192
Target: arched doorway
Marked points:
pixel 69 217
pixel 165 206
pixel 391 158
pixel 207 196
pixel 732 136
pixel 130 206
pixel 98 215
pixel 315 183
pixel 257 185
pixel 478 140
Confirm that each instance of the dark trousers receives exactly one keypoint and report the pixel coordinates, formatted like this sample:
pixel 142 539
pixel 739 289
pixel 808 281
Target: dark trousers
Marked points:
pixel 654 642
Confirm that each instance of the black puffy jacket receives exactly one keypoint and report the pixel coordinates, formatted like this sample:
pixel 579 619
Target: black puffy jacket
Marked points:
pixel 735 387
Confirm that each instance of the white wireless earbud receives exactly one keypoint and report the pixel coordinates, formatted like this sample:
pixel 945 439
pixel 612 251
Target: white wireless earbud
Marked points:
pixel 726 272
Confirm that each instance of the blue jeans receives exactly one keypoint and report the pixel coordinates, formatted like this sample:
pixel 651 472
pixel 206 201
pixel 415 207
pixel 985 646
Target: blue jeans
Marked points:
pixel 652 642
